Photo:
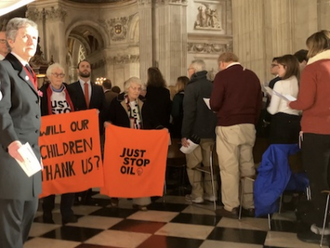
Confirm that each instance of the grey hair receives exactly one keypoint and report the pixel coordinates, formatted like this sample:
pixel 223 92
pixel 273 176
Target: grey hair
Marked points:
pixel 131 80
pixel 14 25
pixel 52 67
pixel 198 65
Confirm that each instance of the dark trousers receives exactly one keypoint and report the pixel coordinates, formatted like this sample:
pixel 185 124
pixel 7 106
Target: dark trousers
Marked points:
pixel 48 205
pixel 16 218
pixel 284 129
pixel 316 162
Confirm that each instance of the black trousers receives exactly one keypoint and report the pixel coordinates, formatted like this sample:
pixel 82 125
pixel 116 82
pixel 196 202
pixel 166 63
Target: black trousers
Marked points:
pixel 48 204
pixel 316 162
pixel 284 129
pixel 16 218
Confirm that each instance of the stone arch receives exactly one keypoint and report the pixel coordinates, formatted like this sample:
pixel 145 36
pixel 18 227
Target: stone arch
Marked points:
pixel 134 30
pixel 88 34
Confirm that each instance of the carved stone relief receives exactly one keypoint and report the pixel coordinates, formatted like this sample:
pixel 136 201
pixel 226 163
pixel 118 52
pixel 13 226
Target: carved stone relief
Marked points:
pixel 117 27
pixel 123 59
pixel 50 14
pixel 208 48
pixel 56 13
pixel 144 2
pixel 98 64
pixel 208 17
pixel 179 1
pixel 35 15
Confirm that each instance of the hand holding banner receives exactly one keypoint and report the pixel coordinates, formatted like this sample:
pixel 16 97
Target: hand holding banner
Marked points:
pixel 134 162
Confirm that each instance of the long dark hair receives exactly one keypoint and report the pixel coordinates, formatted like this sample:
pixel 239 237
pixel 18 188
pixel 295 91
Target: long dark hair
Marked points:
pixel 155 78
pixel 291 65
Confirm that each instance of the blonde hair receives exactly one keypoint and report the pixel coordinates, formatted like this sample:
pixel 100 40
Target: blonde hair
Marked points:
pixel 181 83
pixel 227 57
pixel 318 42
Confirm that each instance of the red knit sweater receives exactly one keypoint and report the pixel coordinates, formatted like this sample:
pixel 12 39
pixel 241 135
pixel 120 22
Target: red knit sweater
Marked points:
pixel 236 96
pixel 314 97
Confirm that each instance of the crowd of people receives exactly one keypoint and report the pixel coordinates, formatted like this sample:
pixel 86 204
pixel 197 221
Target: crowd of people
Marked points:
pixel 227 125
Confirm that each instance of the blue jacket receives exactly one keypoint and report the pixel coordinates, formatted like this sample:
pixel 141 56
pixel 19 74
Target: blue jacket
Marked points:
pixel 274 174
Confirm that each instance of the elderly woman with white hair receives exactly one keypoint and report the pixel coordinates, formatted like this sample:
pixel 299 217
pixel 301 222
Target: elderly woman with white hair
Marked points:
pixel 130 110
pixel 56 100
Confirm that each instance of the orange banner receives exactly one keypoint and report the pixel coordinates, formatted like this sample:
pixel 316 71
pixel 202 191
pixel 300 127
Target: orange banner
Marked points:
pixel 70 151
pixel 134 162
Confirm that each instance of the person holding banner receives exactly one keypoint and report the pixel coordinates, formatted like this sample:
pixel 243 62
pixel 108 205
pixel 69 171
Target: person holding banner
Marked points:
pixel 131 110
pixel 19 124
pixel 56 100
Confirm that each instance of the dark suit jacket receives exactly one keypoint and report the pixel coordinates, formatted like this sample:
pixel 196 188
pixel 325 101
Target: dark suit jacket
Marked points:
pixel 19 120
pixel 97 100
pixel 78 98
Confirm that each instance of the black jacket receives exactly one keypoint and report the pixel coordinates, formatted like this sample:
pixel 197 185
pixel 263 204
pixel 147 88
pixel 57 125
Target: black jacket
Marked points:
pixel 160 101
pixel 117 113
pixel 198 119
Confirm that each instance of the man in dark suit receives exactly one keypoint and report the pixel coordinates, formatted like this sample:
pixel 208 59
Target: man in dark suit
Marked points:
pixel 19 124
pixel 87 95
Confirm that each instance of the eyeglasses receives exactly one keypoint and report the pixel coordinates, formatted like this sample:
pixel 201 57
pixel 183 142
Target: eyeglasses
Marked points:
pixel 2 41
pixel 274 65
pixel 136 88
pixel 61 75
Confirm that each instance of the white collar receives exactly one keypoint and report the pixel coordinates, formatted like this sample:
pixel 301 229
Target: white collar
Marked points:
pixel 82 82
pixel 23 62
pixel 322 55
pixel 234 63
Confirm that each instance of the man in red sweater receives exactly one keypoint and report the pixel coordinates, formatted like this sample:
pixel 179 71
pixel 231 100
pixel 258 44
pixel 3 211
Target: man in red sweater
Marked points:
pixel 237 99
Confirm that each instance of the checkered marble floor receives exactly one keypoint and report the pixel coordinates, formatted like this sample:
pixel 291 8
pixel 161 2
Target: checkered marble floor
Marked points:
pixel 169 224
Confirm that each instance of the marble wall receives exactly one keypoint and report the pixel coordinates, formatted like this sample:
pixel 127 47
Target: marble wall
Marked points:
pixel 131 36
pixel 263 29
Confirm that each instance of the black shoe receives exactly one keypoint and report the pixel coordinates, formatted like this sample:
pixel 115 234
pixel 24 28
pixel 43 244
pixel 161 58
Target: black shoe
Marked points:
pixel 229 214
pixel 69 219
pixel 309 237
pixel 248 212
pixel 48 218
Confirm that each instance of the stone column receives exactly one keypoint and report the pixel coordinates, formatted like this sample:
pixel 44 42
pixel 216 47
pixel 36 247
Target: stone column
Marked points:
pixel 171 39
pixel 50 17
pixel 265 29
pixel 146 37
pixel 323 14
pixel 305 17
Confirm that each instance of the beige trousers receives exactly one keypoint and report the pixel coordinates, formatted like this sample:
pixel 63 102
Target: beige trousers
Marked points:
pixel 200 155
pixel 234 149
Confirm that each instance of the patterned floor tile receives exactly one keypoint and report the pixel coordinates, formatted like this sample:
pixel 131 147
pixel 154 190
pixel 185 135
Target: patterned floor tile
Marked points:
pixel 114 212
pixel 185 231
pixel 224 244
pixel 138 226
pixel 72 233
pixel 161 216
pixel 196 219
pixel 118 238
pixel 245 223
pixel 287 240
pixel 50 243
pixel 238 235
pixel 97 222
pixel 170 242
